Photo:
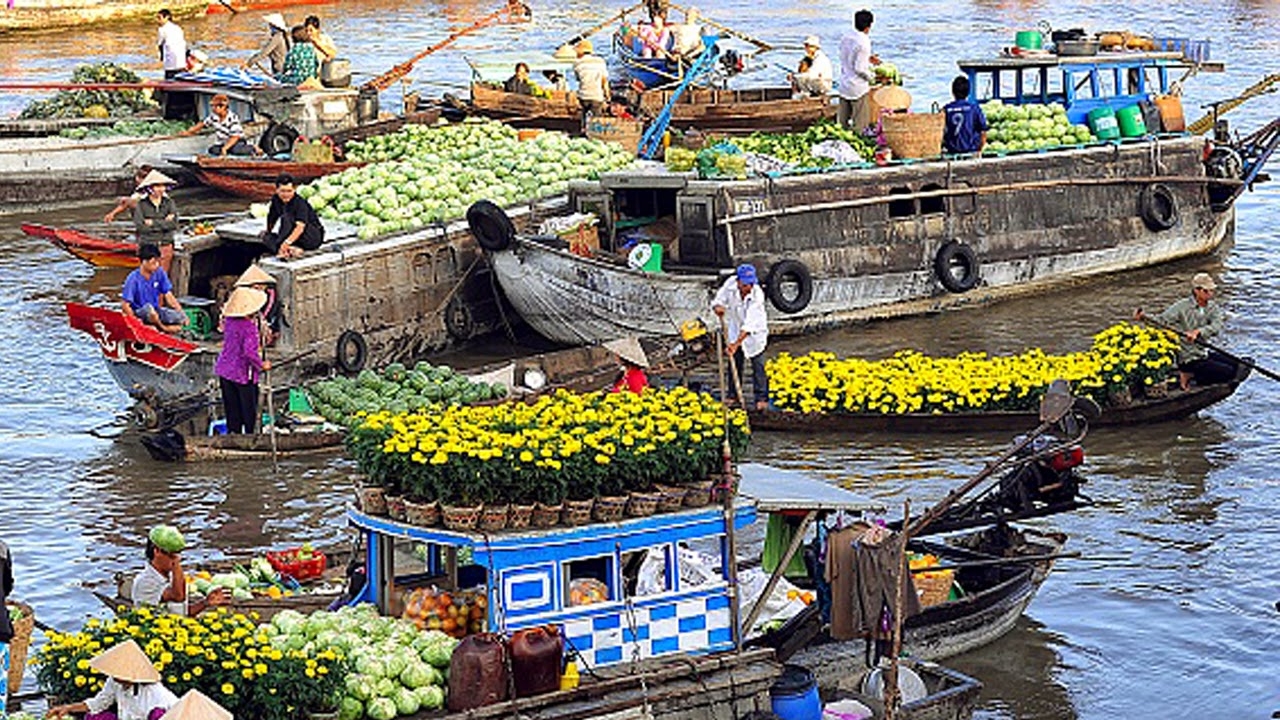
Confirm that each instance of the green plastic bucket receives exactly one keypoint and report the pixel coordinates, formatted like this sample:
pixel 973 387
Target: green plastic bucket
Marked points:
pixel 1029 39
pixel 1130 121
pixel 1102 121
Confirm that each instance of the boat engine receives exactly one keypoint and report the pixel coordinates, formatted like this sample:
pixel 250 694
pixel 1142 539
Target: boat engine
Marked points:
pixel 1046 476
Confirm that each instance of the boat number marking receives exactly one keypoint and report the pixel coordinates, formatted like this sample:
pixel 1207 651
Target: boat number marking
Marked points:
pixel 747 206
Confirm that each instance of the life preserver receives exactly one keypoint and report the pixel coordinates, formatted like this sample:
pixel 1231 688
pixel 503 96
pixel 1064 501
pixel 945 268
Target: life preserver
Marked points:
pixel 1158 207
pixel 352 352
pixel 786 272
pixel 490 226
pixel 459 321
pixel 956 266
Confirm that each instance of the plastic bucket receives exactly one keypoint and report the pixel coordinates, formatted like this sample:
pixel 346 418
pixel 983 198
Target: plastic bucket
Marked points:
pixel 794 696
pixel 1130 121
pixel 1102 121
pixel 1029 39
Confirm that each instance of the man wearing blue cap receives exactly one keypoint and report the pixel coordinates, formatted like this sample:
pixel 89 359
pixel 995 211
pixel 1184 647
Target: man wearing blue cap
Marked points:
pixel 741 303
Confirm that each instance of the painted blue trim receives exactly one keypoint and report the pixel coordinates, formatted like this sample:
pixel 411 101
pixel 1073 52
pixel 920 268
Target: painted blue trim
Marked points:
pixel 590 612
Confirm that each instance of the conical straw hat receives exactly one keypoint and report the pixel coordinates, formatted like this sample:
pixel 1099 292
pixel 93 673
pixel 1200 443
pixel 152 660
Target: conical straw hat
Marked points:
pixel 244 301
pixel 126 662
pixel 276 20
pixel 155 177
pixel 196 706
pixel 255 276
pixel 628 349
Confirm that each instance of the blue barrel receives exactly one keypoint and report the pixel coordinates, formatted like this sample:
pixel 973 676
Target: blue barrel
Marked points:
pixel 794 696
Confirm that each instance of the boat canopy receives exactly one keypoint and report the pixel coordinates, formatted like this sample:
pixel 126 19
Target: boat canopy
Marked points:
pixel 497 67
pixel 772 489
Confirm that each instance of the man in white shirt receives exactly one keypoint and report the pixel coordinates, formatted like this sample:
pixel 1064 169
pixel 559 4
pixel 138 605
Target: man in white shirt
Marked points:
pixel 818 78
pixel 856 60
pixel 741 303
pixel 173 45
pixel 593 80
pixel 162 582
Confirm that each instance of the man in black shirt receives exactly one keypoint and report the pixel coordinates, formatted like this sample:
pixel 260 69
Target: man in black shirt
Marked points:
pixel 299 227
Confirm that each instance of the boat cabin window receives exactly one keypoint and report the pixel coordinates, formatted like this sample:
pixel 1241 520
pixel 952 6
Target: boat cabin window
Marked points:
pixel 1108 82
pixel 932 205
pixel 588 581
pixel 901 208
pixel 646 572
pixel 701 562
pixel 1053 88
pixel 210 268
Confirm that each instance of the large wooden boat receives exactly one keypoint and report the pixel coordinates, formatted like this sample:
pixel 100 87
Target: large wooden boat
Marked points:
pixel 561 111
pixel 40 15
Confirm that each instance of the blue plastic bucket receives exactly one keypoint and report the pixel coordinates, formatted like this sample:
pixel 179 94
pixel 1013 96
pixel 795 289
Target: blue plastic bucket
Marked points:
pixel 794 696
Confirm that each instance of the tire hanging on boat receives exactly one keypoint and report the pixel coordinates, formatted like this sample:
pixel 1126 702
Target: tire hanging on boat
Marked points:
pixel 459 321
pixel 956 266
pixel 490 226
pixel 1158 207
pixel 277 139
pixel 352 352
pixel 788 272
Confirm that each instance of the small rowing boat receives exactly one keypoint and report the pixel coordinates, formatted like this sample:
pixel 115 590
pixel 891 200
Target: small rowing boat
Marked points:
pixel 171 445
pixel 106 245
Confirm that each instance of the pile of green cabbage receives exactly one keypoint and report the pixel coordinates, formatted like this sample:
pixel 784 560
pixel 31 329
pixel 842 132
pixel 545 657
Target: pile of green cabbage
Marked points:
pixel 428 174
pixel 398 669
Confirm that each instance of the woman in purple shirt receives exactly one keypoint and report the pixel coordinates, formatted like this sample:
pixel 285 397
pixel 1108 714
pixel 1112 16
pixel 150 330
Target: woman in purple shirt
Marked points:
pixel 241 360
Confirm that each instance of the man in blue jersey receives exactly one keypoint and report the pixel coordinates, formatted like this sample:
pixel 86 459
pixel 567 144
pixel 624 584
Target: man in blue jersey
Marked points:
pixel 966 129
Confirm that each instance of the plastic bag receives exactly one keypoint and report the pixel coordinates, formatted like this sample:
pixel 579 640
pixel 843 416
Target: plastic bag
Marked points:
pixel 838 151
pixel 652 576
pixel 587 591
pixel 456 614
pixel 785 602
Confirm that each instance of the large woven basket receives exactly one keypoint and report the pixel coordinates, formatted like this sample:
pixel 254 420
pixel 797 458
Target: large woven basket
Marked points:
pixel 914 135
pixel 19 645
pixel 933 587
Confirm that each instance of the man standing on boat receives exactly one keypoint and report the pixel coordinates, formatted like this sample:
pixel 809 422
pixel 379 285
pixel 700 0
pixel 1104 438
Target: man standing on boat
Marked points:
pixel 173 45
pixel 276 48
pixel 817 79
pixel 856 60
pixel 593 80
pixel 292 224
pixel 1196 318
pixel 966 126
pixel 741 303
pixel 148 294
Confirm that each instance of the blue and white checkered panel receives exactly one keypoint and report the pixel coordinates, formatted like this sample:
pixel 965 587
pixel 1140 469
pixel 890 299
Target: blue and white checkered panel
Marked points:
pixel 695 625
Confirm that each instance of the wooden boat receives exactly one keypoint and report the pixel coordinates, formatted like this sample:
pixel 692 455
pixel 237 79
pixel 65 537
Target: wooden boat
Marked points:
pixel 111 245
pixel 40 15
pixel 218 7
pixel 951 695
pixel 1177 404
pixel 198 448
pixel 561 111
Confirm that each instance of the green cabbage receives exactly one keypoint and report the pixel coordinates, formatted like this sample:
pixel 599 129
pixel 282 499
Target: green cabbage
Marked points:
pixel 406 702
pixel 385 687
pixel 350 709
pixel 371 666
pixel 381 709
pixel 288 621
pixel 430 697
pixel 396 663
pixel 359 686
pixel 440 653
pixel 416 675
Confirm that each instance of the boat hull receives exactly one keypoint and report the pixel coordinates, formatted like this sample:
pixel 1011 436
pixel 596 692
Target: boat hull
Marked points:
pixel 740 111
pixel 38 15
pixel 255 180
pixel 560 112
pixel 1032 223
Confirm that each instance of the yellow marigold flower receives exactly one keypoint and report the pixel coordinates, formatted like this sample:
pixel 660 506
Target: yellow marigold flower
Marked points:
pixel 228 689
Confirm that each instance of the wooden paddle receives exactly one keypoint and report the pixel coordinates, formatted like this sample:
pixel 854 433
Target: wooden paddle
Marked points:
pixel 1208 346
pixel 226 4
pixel 596 28
pixel 728 30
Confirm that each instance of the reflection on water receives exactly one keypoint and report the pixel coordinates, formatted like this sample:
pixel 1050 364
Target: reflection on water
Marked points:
pixel 1170 609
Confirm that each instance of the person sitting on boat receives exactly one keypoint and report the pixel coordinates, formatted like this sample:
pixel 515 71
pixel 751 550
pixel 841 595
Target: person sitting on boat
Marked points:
pixel 196 60
pixel 292 224
pixel 228 130
pixel 162 583
pixel 1198 318
pixel 965 131
pixel 593 80
pixel 633 362
pixel 301 62
pixel 275 49
pixel 240 363
pixel 326 48
pixel 273 313
pixel 148 294
pixel 686 37
pixel 741 303
pixel 129 202
pixel 655 37
pixel 155 217
pixel 133 688
pixel 519 83
pixel 815 79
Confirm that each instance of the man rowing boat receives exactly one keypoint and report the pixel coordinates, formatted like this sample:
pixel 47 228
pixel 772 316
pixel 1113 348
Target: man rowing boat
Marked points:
pixel 1198 318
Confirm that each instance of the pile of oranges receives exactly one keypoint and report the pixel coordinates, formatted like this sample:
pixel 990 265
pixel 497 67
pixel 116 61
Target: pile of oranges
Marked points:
pixel 455 614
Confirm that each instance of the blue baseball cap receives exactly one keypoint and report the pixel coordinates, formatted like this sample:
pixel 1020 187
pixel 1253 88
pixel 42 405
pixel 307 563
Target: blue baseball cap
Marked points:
pixel 747 274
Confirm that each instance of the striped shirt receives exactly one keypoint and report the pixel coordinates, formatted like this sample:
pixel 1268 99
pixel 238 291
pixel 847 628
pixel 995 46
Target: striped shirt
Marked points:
pixel 225 128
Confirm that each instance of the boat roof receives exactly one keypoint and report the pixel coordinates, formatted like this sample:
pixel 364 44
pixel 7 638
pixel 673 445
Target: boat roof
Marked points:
pixel 1068 61
pixel 772 489
pixel 501 65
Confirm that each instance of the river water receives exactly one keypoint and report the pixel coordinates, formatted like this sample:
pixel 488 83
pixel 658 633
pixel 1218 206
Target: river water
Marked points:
pixel 1170 611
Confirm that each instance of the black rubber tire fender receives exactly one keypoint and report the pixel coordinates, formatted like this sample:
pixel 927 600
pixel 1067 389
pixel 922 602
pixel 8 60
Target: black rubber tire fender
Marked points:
pixel 1158 207
pixel 352 352
pixel 459 321
pixel 490 226
pixel 277 139
pixel 955 255
pixel 789 271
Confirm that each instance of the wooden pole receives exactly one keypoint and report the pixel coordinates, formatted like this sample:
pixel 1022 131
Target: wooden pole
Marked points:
pixel 730 561
pixel 796 541
pixel 598 26
pixel 892 693
pixel 728 30
pixel 271 404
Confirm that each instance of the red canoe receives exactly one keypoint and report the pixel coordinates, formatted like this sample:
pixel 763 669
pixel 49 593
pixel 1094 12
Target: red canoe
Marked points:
pixel 107 246
pixel 255 179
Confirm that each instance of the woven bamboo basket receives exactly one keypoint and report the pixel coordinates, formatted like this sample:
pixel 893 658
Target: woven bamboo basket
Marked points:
pixel 914 135
pixel 576 512
pixel 395 507
pixel 19 645
pixel 933 587
pixel 422 514
pixel 698 494
pixel 460 517
pixel 642 504
pixel 545 516
pixel 494 517
pixel 520 517
pixel 670 498
pixel 608 508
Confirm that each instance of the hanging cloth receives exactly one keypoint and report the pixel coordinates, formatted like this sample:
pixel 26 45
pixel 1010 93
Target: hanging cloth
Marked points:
pixel 778 533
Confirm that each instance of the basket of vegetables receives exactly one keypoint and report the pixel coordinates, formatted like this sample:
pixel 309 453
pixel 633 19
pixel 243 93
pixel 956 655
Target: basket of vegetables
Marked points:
pixel 302 563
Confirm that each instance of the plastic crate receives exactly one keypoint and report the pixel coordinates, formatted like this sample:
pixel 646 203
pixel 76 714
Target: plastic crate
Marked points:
pixel 1193 50
pixel 286 562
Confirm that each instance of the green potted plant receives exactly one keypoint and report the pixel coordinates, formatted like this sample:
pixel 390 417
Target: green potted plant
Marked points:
pixel 421 507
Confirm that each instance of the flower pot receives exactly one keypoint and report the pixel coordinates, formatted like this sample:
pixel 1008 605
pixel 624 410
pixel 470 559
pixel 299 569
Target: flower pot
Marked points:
pixel 608 508
pixel 576 512
pixel 670 498
pixel 545 516
pixel 1120 398
pixel 1156 390
pixel 698 494
pixel 494 517
pixel 422 514
pixel 460 517
pixel 372 499
pixel 395 507
pixel 642 504
pixel 519 517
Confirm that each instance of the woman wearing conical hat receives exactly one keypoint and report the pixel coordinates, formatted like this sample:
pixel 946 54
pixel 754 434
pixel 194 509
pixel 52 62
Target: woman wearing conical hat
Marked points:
pixel 195 705
pixel 240 362
pixel 273 312
pixel 132 691
pixel 633 361
pixel 155 217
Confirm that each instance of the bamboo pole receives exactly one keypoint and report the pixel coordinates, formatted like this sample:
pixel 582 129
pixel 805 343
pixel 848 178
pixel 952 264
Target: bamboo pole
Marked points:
pixel 728 30
pixel 730 561
pixel 892 693
pixel 796 541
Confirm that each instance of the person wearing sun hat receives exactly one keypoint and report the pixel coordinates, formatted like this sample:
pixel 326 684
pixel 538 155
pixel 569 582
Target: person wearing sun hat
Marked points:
pixel 1198 317
pixel 133 688
pixel 818 78
pixel 162 583
pixel 155 217
pixel 277 46
pixel 741 303
pixel 195 705
pixel 240 362
pixel 633 360
pixel 273 312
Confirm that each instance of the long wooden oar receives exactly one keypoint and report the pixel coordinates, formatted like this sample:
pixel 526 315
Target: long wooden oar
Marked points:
pixel 271 403
pixel 1210 346
pixel 728 30
pixel 598 27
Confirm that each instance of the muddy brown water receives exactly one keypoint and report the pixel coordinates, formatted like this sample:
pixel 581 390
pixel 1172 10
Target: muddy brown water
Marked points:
pixel 1170 611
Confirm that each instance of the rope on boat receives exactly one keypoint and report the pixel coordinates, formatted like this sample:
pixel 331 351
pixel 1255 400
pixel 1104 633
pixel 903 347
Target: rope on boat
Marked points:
pixel 1205 123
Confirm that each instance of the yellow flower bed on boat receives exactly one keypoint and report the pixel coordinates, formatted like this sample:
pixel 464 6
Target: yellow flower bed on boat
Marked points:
pixel 1122 357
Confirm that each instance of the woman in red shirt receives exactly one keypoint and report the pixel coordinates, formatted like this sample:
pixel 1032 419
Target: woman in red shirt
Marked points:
pixel 633 361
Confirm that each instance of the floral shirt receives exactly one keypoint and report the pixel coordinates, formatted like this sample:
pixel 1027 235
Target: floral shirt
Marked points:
pixel 300 64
